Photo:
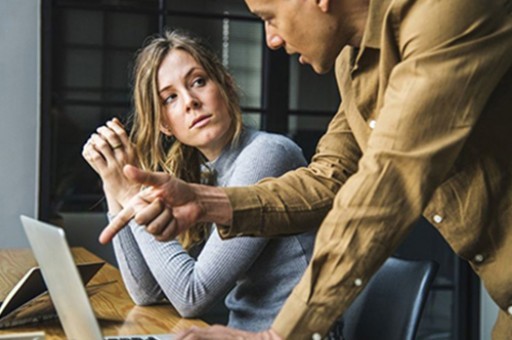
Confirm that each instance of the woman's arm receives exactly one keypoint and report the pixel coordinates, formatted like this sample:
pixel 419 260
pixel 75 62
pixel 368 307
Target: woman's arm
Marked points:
pixel 137 277
pixel 192 285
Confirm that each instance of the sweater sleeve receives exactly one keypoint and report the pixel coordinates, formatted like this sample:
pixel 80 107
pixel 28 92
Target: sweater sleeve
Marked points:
pixel 192 286
pixel 137 277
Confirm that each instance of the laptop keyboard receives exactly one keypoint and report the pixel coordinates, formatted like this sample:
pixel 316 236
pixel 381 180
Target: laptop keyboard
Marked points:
pixel 137 337
pixel 141 337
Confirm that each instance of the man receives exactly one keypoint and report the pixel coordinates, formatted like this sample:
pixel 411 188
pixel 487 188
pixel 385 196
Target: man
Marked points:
pixel 424 127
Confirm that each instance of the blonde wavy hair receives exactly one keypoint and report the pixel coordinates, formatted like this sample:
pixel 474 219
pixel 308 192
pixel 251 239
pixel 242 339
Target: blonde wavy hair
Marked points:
pixel 153 149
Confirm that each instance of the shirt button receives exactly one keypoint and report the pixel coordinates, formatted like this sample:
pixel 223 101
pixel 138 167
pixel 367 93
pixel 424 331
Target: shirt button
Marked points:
pixel 509 310
pixel 316 336
pixel 372 124
pixel 358 282
pixel 479 258
pixel 438 218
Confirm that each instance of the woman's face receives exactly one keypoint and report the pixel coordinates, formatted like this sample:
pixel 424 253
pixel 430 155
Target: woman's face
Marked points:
pixel 194 110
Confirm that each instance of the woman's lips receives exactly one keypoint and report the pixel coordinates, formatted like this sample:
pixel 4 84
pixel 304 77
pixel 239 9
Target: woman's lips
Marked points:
pixel 200 121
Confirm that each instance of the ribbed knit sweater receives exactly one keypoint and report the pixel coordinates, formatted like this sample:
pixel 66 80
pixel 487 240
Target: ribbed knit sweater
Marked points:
pixel 259 273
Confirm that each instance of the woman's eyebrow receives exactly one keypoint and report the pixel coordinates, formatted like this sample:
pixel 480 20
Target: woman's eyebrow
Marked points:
pixel 187 75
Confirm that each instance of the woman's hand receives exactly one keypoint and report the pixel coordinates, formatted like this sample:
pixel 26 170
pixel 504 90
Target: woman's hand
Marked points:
pixel 107 151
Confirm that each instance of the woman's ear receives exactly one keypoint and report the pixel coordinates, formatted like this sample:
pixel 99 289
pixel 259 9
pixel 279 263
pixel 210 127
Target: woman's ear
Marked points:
pixel 165 130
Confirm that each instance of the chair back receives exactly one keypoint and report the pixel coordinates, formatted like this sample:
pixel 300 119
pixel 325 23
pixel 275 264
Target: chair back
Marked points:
pixel 390 306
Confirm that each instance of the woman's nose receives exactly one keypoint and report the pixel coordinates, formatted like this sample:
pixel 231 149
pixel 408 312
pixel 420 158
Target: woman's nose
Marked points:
pixel 192 102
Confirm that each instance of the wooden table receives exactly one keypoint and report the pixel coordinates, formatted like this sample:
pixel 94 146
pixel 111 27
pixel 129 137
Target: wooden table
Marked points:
pixel 113 307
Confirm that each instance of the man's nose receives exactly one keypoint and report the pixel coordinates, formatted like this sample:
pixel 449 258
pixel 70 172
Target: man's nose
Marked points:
pixel 274 41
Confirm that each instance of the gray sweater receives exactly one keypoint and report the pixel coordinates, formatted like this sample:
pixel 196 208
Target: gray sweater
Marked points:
pixel 262 271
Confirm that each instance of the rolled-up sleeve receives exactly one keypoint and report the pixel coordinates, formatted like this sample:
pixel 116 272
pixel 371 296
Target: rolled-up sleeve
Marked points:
pixel 299 200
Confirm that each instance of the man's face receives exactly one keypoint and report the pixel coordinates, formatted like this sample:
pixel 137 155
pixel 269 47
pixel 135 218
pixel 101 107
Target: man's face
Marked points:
pixel 300 27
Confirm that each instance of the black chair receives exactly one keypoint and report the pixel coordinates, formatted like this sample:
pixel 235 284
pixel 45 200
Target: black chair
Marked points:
pixel 390 306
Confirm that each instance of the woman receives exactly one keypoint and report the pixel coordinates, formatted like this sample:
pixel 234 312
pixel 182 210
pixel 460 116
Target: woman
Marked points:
pixel 184 97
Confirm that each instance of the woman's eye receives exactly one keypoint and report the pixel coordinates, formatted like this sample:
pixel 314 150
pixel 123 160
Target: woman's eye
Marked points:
pixel 170 98
pixel 199 82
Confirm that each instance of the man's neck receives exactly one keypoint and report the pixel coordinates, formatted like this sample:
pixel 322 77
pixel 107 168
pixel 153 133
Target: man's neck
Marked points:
pixel 359 17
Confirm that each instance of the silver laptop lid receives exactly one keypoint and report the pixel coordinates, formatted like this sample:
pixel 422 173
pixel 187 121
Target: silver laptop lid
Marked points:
pixel 64 284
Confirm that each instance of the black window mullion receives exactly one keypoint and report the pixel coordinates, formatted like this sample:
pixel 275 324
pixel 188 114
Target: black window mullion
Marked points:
pixel 162 17
pixel 275 90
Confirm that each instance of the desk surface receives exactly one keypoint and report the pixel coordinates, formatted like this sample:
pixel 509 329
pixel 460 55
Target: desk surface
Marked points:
pixel 113 307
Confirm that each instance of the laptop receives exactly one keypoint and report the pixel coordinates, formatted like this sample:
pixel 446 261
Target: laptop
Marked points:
pixel 64 285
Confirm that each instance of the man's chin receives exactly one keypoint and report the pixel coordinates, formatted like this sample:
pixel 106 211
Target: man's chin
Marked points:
pixel 321 68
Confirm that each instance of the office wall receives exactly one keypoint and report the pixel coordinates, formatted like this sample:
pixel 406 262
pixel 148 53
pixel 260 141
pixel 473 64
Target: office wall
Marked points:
pixel 19 116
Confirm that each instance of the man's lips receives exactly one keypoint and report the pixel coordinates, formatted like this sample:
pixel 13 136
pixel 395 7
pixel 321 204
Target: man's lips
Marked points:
pixel 199 119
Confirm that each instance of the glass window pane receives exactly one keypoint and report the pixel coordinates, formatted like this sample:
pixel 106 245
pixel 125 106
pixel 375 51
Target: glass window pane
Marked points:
pixel 310 91
pixel 82 68
pixel 118 69
pixel 128 29
pixel 82 26
pixel 306 130
pixel 244 45
pixel 437 319
pixel 76 187
pixel 252 119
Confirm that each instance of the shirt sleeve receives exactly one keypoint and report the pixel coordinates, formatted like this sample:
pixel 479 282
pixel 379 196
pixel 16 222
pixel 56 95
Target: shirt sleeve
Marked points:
pixel 299 200
pixel 433 100
pixel 192 286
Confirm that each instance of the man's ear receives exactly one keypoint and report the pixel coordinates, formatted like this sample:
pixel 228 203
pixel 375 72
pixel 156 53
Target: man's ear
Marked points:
pixel 323 5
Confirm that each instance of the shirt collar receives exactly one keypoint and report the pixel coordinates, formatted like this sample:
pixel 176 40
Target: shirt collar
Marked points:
pixel 373 30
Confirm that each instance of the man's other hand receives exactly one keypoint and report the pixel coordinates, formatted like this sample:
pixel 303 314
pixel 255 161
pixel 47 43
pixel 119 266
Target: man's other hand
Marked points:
pixel 224 333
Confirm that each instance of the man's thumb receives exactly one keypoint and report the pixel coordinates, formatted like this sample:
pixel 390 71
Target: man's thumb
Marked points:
pixel 145 177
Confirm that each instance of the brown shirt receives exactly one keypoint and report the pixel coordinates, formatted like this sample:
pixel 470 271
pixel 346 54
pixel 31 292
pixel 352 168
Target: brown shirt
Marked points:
pixel 425 126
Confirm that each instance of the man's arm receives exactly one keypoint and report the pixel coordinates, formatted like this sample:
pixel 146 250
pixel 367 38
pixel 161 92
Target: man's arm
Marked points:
pixel 299 200
pixel 434 98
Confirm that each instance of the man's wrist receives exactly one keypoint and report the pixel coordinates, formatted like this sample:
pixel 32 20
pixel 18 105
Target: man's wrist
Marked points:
pixel 213 203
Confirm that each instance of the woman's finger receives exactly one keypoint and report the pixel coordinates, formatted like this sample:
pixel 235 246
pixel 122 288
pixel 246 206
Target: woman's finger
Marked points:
pixel 101 146
pixel 94 158
pixel 117 127
pixel 110 136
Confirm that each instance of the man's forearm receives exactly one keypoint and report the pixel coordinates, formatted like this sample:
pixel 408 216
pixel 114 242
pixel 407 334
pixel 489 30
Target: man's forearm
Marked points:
pixel 214 204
